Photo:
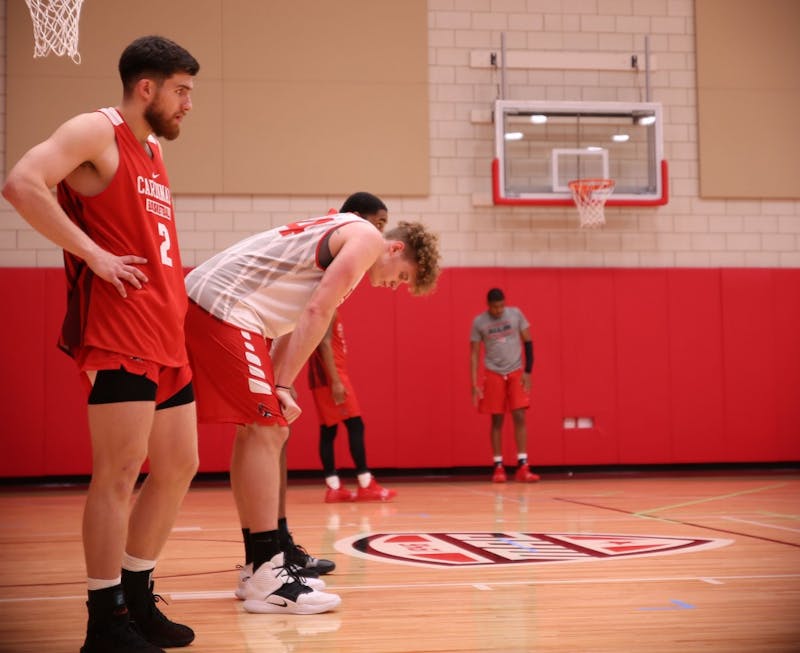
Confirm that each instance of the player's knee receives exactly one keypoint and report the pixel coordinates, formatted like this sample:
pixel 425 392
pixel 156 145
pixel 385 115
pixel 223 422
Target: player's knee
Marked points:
pixel 281 434
pixel 116 478
pixel 262 435
pixel 185 465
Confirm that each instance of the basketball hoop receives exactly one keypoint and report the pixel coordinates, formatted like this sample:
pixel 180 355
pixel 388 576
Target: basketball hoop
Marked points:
pixel 55 27
pixel 590 196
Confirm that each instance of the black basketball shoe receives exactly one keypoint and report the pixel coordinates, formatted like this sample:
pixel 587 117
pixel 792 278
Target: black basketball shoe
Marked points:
pixel 145 615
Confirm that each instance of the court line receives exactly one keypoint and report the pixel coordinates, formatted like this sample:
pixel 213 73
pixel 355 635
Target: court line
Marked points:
pixel 779 514
pixel 761 523
pixel 563 581
pixel 225 594
pixel 679 521
pixel 707 499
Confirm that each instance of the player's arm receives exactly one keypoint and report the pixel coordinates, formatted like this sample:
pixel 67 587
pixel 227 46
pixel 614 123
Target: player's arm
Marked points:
pixel 358 246
pixel 84 139
pixel 477 392
pixel 325 349
pixel 527 343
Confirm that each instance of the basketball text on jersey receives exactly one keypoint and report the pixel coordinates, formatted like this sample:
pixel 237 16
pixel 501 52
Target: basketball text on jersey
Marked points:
pixel 153 190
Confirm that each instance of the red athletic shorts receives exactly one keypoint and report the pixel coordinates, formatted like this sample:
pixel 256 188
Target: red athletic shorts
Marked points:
pixel 170 380
pixel 233 376
pixel 330 413
pixel 503 392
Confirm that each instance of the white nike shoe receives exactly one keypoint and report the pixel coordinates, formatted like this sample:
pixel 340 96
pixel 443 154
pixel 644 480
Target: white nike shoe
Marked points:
pixel 246 571
pixel 274 588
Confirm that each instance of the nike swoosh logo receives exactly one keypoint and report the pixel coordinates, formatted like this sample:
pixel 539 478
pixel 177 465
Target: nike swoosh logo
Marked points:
pixel 283 603
pixel 156 175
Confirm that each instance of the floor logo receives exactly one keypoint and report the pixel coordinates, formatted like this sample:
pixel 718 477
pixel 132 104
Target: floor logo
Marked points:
pixel 479 549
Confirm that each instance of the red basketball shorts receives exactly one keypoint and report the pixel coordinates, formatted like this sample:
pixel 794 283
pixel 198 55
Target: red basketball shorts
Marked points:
pixel 502 393
pixel 330 413
pixel 169 380
pixel 233 376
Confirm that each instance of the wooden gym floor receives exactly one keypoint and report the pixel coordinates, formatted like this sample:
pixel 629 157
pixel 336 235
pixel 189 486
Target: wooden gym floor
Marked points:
pixel 722 570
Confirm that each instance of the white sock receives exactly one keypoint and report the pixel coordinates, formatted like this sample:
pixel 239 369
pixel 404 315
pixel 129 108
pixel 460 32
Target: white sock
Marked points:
pixel 364 479
pixel 130 563
pixel 102 583
pixel 498 460
pixel 522 458
pixel 333 482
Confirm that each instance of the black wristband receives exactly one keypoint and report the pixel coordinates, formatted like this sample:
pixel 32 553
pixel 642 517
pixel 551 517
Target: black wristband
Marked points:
pixel 528 356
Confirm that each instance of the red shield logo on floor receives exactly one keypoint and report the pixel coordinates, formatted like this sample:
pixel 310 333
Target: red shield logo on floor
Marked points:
pixel 478 549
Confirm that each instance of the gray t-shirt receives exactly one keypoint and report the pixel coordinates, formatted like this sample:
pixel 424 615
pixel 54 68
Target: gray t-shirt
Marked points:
pixel 501 339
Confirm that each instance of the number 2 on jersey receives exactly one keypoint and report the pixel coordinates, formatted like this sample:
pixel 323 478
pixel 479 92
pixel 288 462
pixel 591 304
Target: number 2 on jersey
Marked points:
pixel 165 243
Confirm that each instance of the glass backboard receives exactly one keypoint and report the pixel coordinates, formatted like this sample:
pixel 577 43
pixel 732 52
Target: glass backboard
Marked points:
pixel 541 146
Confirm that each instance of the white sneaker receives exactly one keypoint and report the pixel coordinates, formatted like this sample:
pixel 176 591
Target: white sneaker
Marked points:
pixel 275 589
pixel 246 571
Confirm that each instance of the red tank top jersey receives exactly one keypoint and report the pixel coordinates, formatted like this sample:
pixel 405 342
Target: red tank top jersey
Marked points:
pixel 133 215
pixel 317 374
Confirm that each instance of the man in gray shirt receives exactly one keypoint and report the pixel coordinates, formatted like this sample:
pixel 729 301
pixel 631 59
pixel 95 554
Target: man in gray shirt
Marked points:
pixel 506 384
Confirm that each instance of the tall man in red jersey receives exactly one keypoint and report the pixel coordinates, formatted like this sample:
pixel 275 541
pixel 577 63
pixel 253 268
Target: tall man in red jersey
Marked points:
pixel 114 218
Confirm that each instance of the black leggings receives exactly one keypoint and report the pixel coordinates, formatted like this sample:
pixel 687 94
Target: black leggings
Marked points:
pixel 117 386
pixel 355 436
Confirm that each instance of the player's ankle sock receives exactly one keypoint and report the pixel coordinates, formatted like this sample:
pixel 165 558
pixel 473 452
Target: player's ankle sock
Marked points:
pixel 132 563
pixel 103 603
pixel 498 461
pixel 265 545
pixel 248 550
pixel 333 482
pixel 364 479
pixel 284 537
pixel 522 459
pixel 94 584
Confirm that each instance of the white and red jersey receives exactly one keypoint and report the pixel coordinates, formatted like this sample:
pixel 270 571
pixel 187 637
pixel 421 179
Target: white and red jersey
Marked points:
pixel 263 283
pixel 134 214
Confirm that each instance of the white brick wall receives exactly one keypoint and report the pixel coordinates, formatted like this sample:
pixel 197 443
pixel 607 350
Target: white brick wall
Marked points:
pixel 689 231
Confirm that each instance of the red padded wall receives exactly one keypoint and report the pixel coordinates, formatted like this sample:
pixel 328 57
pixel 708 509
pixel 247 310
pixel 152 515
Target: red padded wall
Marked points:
pixel 426 368
pixel 749 375
pixel 22 396
pixel 588 364
pixel 644 425
pixel 674 365
pixel 787 362
pixel 696 366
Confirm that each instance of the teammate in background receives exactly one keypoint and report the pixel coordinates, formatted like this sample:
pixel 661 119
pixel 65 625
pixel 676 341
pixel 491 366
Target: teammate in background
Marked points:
pixel 506 384
pixel 282 285
pixel 334 397
pixel 114 218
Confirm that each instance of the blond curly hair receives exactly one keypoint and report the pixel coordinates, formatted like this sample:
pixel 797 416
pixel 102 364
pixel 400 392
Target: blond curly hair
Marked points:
pixel 422 249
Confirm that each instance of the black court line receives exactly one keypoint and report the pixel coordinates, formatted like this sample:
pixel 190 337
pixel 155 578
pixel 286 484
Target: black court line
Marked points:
pixel 679 521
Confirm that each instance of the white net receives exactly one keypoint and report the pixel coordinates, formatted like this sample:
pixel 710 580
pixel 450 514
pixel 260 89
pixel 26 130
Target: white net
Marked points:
pixel 590 197
pixel 55 27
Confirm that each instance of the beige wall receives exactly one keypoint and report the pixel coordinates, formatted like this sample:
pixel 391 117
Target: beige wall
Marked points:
pixel 687 232
pixel 288 101
pixel 748 84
